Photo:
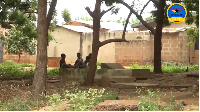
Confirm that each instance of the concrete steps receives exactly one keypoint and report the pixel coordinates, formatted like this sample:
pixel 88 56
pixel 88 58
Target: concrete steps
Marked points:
pixel 121 79
pixel 138 85
pixel 132 85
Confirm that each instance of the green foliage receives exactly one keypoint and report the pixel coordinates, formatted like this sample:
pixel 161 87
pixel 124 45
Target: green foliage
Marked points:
pixel 135 21
pixel 12 69
pixel 167 67
pixel 150 18
pixel 80 100
pixel 86 18
pixel 136 65
pixel 55 98
pixel 149 102
pixel 193 34
pixel 123 21
pixel 16 42
pixel 192 5
pixel 193 67
pixel 53 72
pixel 173 67
pixel 14 12
pixel 10 63
pixel 66 15
pixel 172 105
pixel 98 65
pixel 86 100
pixel 18 103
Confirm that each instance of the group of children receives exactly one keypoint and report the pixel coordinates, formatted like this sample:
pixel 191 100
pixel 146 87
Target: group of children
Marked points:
pixel 79 63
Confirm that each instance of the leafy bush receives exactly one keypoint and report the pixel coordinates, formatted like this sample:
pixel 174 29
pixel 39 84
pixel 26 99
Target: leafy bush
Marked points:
pixel 167 67
pixel 135 65
pixel 10 63
pixel 55 98
pixel 193 67
pixel 53 72
pixel 150 102
pixel 10 68
pixel 86 100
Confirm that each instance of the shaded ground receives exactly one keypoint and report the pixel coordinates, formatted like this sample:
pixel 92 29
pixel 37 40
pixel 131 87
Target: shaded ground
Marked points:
pixel 190 96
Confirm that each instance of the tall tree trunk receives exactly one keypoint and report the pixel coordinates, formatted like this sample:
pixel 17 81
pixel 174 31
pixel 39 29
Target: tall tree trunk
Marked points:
pixel 92 67
pixel 19 55
pixel 39 81
pixel 158 37
pixel 95 44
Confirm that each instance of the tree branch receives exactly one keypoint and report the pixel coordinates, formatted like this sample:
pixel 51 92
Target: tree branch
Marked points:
pixel 89 11
pixel 144 7
pixel 149 27
pixel 50 13
pixel 103 12
pixel 155 2
pixel 111 40
pixel 127 20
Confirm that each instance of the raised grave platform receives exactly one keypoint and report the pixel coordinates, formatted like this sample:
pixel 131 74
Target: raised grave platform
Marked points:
pixel 110 75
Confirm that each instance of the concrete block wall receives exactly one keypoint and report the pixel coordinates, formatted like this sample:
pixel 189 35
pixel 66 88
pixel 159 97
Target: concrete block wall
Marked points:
pixel 174 48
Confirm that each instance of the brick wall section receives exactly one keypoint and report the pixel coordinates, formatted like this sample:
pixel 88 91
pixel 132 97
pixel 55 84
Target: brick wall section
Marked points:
pixel 25 58
pixel 135 51
pixel 54 62
pixel 174 49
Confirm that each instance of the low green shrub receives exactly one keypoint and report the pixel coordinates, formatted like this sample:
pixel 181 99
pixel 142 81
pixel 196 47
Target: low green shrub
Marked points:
pixel 53 72
pixel 193 67
pixel 12 69
pixel 167 67
pixel 150 102
pixel 55 98
pixel 86 100
pixel 10 63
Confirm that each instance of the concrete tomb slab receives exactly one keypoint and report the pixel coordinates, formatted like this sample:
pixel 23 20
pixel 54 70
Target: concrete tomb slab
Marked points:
pixel 112 65
pixel 142 73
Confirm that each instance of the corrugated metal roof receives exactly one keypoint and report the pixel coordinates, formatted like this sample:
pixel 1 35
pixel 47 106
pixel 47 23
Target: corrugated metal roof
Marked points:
pixel 80 29
pixel 113 26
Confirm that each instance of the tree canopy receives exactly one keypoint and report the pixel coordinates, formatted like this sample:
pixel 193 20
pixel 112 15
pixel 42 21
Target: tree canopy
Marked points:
pixel 17 43
pixel 66 15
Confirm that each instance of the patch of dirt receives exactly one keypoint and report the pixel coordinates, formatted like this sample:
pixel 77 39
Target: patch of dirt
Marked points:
pixel 9 90
pixel 117 105
pixel 64 106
